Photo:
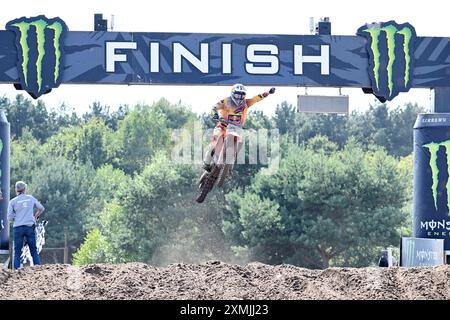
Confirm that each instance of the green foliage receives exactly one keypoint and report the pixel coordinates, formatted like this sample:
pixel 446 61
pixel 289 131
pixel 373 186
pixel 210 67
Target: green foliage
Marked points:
pixel 93 250
pixel 24 114
pixel 154 218
pixel 106 180
pixel 140 135
pixel 391 129
pixel 176 115
pixel 64 189
pixel 146 200
pixel 22 165
pixel 321 144
pixel 103 114
pixel 110 180
pixel 258 120
pixel 119 237
pixel 301 127
pixel 405 167
pixel 62 117
pixel 320 206
pixel 89 144
pixel 285 118
pixel 64 143
pixel 92 144
pixel 378 126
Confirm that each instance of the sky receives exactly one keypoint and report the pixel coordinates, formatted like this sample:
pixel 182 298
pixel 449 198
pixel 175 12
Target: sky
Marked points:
pixel 251 17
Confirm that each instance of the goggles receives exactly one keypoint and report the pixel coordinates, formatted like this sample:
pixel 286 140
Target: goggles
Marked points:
pixel 239 95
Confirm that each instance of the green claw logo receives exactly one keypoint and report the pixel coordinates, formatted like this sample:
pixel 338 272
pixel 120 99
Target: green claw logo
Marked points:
pixel 391 49
pixel 39 43
pixel 434 148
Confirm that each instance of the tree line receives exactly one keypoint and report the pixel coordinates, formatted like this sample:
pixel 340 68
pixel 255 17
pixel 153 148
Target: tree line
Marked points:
pixel 113 194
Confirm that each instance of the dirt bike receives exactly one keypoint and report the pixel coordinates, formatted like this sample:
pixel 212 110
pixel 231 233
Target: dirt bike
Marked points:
pixel 228 147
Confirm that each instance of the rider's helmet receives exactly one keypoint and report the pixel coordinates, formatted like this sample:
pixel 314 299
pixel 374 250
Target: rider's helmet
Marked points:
pixel 238 93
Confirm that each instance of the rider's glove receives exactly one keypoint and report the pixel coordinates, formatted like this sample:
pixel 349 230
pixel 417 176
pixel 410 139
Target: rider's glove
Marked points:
pixel 265 94
pixel 214 115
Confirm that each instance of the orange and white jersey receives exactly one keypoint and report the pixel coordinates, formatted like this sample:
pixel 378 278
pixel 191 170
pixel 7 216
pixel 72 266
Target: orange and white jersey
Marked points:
pixel 236 115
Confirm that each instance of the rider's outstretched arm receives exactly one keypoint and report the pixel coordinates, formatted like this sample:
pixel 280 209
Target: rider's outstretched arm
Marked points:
pixel 259 97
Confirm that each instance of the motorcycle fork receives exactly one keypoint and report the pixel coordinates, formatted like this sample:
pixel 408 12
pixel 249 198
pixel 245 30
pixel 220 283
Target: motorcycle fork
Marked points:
pixel 232 147
pixel 228 144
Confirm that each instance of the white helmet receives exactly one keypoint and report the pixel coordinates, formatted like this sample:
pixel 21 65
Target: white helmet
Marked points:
pixel 238 93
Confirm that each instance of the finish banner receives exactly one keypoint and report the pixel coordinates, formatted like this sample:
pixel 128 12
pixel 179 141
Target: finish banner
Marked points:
pixel 40 53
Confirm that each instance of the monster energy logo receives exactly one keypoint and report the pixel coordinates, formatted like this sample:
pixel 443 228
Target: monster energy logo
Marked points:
pixel 434 151
pixel 39 45
pixel 390 49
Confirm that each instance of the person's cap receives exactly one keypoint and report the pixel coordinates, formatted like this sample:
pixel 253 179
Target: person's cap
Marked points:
pixel 20 185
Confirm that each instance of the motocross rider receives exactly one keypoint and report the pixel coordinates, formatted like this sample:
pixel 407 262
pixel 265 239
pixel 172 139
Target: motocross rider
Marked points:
pixel 234 110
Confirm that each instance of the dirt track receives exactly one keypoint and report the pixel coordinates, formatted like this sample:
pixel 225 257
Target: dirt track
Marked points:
pixel 216 280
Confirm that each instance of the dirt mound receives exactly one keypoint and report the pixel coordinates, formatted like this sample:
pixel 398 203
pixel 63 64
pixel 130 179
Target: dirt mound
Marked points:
pixel 216 280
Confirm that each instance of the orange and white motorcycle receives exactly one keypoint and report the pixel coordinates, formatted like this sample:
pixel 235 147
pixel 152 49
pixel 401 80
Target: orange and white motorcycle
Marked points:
pixel 224 157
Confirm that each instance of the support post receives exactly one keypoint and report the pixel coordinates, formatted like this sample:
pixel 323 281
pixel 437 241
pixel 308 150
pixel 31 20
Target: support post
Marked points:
pixel 440 100
pixel 5 244
pixel 66 247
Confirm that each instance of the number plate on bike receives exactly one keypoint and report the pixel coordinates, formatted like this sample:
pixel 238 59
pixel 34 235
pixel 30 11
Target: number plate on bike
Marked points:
pixel 235 118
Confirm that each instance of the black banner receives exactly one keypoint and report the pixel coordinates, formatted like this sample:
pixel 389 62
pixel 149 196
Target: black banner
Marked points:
pixel 431 201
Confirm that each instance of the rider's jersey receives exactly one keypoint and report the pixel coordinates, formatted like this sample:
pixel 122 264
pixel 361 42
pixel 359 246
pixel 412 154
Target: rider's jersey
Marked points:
pixel 236 115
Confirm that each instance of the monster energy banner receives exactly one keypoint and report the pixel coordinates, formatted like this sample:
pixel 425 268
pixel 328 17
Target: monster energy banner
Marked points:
pixel 390 47
pixel 431 203
pixel 39 53
pixel 39 42
pixel 416 252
